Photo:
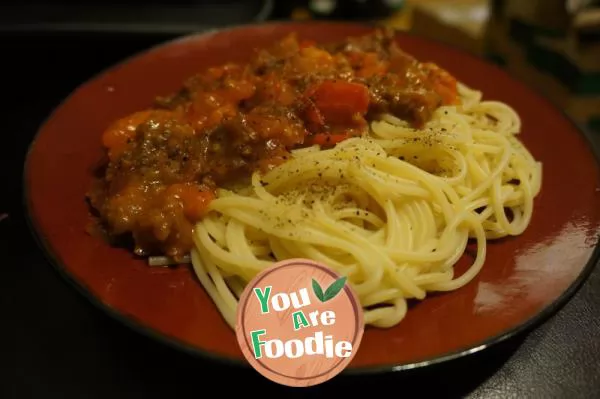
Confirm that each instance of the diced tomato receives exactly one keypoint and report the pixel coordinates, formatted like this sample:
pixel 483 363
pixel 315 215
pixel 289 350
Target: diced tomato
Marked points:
pixel 116 137
pixel 444 83
pixel 311 60
pixel 195 201
pixel 372 65
pixel 325 140
pixel 272 88
pixel 219 72
pixel 307 43
pixel 289 43
pixel 238 91
pixel 208 110
pixel 367 64
pixel 339 102
pixel 314 119
pixel 215 72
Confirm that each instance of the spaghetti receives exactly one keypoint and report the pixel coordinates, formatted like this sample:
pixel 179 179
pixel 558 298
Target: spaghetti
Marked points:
pixel 393 210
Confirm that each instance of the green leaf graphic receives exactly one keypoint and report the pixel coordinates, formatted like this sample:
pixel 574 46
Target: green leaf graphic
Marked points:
pixel 318 290
pixel 334 289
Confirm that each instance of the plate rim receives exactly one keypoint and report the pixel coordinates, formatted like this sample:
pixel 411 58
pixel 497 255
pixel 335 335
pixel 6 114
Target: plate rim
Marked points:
pixel 172 342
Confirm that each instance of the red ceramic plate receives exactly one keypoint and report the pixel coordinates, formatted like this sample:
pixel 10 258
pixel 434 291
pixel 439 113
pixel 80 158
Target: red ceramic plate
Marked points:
pixel 524 280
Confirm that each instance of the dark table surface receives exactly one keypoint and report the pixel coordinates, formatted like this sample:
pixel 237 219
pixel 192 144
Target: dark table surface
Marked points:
pixel 55 344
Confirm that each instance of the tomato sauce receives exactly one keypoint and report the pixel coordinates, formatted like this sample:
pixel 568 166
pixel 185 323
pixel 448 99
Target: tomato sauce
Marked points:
pixel 165 163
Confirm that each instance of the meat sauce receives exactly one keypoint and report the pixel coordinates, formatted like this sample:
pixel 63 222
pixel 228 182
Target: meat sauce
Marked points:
pixel 165 163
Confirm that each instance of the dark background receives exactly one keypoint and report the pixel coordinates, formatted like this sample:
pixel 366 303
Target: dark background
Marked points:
pixel 55 344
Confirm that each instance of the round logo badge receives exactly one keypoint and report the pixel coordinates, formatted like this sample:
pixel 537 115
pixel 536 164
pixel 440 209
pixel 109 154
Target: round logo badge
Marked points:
pixel 299 323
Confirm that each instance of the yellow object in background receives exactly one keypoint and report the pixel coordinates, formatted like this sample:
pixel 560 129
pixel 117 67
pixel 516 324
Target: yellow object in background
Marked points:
pixel 401 19
pixel 300 14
